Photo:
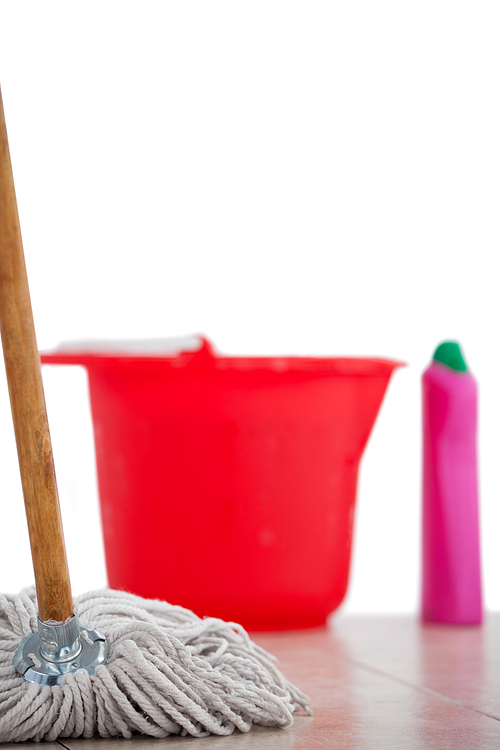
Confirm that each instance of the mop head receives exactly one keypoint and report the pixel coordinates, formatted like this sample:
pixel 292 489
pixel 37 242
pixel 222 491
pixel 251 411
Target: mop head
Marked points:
pixel 168 672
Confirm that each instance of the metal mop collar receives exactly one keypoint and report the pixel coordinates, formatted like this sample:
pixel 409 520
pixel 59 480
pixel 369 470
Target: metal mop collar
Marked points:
pixel 167 672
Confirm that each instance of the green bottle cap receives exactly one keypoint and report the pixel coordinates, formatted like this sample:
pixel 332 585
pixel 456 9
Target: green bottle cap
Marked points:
pixel 450 354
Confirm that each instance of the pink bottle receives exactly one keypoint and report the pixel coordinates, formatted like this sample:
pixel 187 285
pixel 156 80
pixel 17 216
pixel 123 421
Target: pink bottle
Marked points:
pixel 451 589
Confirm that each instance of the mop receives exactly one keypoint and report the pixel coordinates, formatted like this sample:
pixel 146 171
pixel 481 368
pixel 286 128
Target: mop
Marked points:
pixel 109 662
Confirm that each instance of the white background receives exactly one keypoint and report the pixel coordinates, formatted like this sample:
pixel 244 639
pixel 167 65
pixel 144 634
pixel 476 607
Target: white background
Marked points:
pixel 287 177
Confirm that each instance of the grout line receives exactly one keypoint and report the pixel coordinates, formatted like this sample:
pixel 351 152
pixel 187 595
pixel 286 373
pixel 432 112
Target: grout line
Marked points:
pixel 67 747
pixel 419 688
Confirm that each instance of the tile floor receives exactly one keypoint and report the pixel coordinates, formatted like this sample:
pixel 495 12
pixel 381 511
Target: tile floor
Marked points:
pixel 374 682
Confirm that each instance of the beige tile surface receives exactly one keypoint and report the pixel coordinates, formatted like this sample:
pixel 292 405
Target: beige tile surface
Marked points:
pixel 462 663
pixel 358 707
pixel 374 682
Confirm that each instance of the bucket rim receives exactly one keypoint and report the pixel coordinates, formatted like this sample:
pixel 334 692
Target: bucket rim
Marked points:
pixel 338 365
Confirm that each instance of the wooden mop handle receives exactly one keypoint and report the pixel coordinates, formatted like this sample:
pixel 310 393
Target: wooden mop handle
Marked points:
pixel 22 363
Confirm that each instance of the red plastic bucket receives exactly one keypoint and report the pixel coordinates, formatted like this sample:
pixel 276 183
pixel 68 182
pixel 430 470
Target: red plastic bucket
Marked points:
pixel 227 484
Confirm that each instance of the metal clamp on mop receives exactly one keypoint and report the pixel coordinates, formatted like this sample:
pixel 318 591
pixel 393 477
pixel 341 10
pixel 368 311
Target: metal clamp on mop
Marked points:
pixel 58 648
pixel 61 644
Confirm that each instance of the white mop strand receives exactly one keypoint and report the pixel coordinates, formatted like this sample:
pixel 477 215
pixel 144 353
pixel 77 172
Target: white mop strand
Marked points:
pixel 168 672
